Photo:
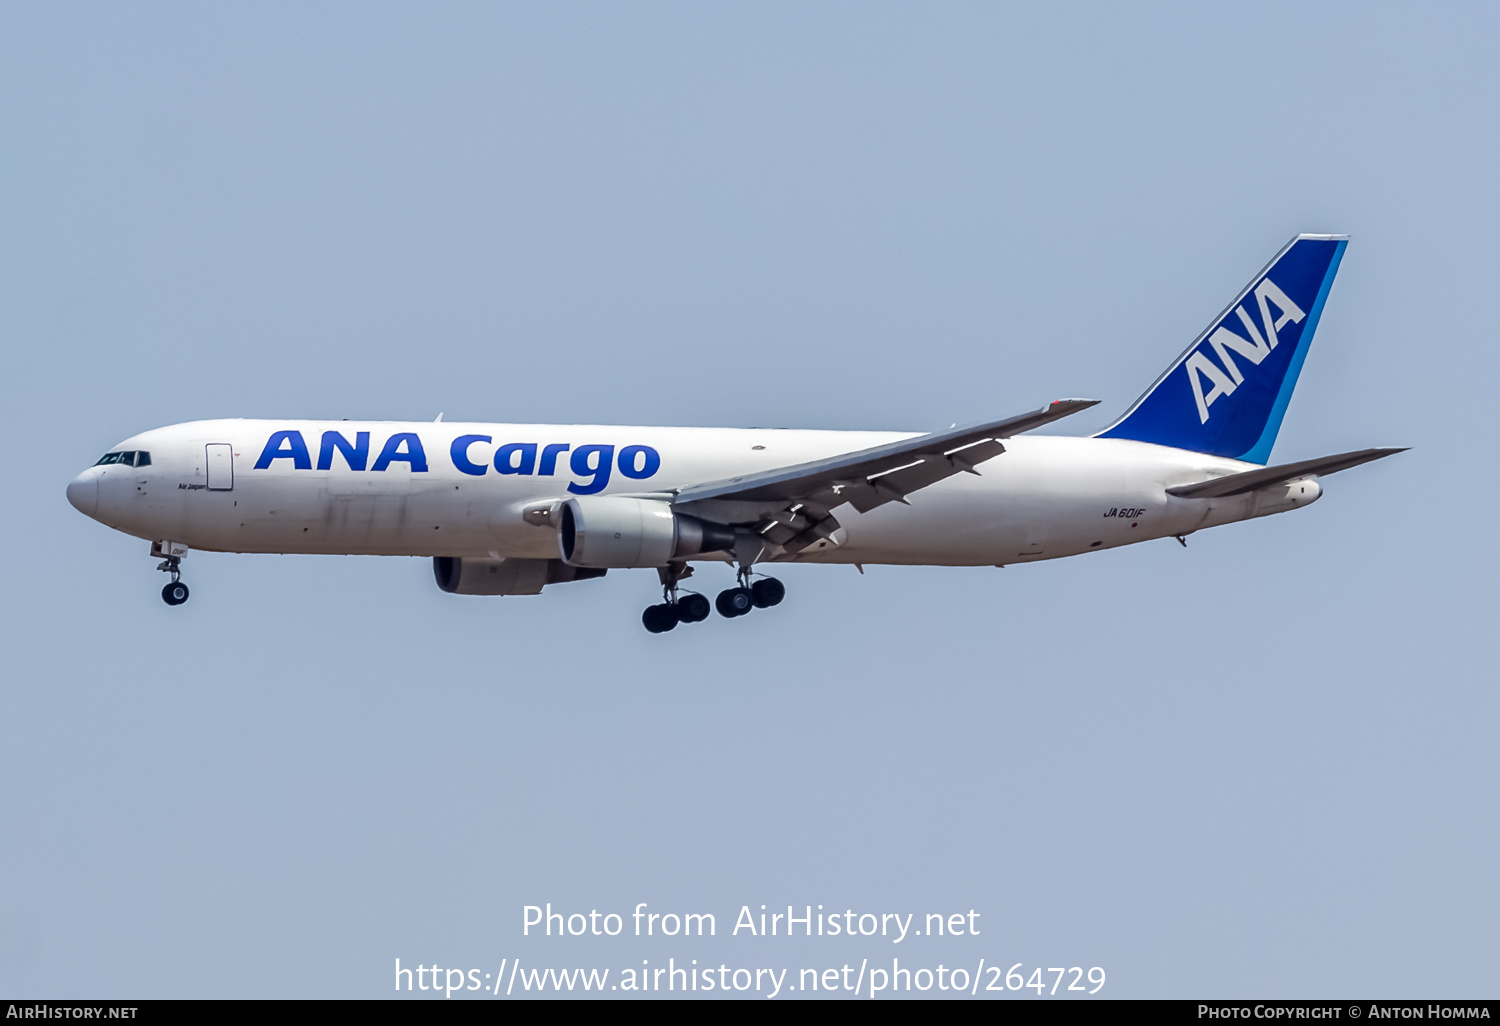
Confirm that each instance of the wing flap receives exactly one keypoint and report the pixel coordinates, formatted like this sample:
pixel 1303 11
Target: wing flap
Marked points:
pixel 926 468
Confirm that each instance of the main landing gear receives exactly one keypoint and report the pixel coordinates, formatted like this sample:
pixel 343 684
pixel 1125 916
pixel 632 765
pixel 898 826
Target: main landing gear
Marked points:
pixel 692 607
pixel 176 593
pixel 763 594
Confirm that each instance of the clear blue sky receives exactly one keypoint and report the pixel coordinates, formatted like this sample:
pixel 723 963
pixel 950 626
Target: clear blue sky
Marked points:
pixel 1264 765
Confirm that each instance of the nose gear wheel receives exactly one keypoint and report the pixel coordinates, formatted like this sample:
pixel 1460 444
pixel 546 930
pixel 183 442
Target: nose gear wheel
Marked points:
pixel 176 593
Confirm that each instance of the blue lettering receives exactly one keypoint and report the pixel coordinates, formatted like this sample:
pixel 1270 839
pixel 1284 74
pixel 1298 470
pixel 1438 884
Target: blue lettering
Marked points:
pixel 413 456
pixel 505 458
pixel 603 460
pixel 460 453
pixel 295 449
pixel 356 455
pixel 549 458
pixel 649 462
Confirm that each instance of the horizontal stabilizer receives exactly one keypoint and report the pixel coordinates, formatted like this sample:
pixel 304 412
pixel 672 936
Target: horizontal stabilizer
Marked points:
pixel 1238 484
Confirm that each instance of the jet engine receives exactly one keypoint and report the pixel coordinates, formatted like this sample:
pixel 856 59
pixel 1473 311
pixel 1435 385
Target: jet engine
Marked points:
pixel 616 531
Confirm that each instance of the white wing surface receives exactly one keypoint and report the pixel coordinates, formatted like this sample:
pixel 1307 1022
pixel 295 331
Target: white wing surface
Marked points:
pixel 790 506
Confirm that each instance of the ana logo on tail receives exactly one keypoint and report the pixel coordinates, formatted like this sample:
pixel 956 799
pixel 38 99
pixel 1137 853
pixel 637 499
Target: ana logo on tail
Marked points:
pixel 1242 369
pixel 1255 348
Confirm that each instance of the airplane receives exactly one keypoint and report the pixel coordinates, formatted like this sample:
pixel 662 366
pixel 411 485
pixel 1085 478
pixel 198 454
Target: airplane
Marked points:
pixel 508 509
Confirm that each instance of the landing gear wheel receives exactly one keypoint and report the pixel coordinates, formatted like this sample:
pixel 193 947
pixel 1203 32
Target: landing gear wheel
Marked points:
pixel 175 594
pixel 692 608
pixel 659 619
pixel 734 602
pixel 767 592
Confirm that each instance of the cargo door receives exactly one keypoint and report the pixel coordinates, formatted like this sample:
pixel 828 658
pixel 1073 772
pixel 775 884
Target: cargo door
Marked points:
pixel 220 464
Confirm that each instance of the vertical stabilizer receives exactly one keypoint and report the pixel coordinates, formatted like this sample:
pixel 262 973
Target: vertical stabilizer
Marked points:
pixel 1228 393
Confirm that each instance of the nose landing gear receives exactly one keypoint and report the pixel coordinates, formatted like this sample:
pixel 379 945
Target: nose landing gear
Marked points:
pixel 175 593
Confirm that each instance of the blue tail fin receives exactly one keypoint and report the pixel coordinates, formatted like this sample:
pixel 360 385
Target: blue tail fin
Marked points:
pixel 1227 394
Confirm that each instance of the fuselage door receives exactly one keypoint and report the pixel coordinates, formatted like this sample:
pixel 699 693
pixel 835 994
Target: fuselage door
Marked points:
pixel 220 466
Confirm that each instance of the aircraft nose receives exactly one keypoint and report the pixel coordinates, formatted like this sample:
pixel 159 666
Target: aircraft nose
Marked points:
pixel 83 492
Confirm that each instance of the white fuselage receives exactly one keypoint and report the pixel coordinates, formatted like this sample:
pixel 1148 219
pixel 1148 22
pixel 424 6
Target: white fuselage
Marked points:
pixel 1045 497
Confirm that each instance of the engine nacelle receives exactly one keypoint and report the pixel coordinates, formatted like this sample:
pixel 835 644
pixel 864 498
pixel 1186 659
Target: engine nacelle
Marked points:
pixel 465 576
pixel 616 531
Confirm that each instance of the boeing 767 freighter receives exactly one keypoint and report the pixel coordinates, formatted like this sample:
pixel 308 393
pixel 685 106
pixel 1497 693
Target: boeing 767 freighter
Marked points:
pixel 507 509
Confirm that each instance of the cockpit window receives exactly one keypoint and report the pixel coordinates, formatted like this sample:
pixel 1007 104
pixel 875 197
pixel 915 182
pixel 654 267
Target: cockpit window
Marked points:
pixel 129 459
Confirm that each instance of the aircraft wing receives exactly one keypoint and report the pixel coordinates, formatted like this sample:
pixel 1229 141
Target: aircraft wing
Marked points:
pixel 1238 484
pixel 868 478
